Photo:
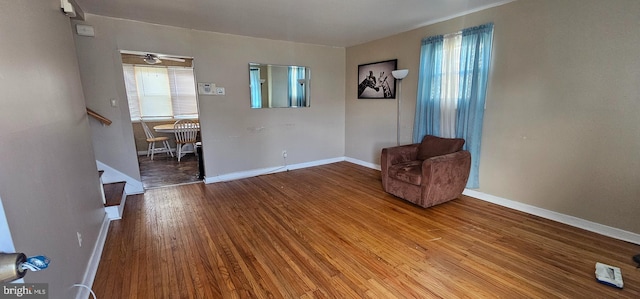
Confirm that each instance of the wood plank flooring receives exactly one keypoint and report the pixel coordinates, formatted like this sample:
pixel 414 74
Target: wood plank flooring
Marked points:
pixel 332 232
pixel 165 170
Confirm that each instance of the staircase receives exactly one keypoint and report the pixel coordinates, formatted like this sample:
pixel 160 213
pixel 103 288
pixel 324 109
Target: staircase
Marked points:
pixel 114 198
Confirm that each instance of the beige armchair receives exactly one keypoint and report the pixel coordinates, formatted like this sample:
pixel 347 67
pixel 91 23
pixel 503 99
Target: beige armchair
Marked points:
pixel 427 173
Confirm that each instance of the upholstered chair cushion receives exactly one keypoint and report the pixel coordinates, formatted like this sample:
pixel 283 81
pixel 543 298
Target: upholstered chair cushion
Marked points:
pixel 432 146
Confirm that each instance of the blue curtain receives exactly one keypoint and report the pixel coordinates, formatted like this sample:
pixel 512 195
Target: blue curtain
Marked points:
pixel 301 87
pixel 296 90
pixel 475 56
pixel 427 119
pixel 256 88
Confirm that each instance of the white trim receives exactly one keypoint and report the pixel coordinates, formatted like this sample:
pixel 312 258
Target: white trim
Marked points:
pixel 104 197
pixel 363 163
pixel 547 214
pixel 112 213
pixel 315 163
pixel 94 260
pixel 123 201
pixel 115 212
pixel 562 218
pixel 6 241
pixel 256 172
pixel 111 175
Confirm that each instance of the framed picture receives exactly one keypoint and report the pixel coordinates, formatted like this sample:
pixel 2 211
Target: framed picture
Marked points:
pixel 375 80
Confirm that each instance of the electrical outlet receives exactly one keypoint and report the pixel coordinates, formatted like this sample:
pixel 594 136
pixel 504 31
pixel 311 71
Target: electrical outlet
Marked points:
pixel 284 153
pixel 79 239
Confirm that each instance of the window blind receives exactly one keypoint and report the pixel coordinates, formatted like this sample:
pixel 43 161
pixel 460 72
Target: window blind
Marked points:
pixel 160 92
pixel 183 92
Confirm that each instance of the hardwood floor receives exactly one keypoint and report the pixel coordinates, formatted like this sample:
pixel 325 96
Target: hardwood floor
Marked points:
pixel 332 232
pixel 165 170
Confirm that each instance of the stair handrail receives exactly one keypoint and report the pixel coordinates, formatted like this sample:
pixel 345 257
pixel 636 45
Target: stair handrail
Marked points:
pixel 99 117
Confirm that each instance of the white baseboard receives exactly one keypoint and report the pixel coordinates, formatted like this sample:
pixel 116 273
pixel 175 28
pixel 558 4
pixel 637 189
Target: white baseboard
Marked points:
pixel 112 175
pixel 363 163
pixel 315 163
pixel 559 217
pixel 547 214
pixel 268 170
pixel 94 260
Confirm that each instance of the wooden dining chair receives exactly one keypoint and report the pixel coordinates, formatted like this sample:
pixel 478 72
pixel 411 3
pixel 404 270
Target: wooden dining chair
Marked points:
pixel 186 132
pixel 151 149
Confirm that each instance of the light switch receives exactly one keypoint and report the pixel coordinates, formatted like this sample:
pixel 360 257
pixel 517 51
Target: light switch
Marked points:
pixel 114 102
pixel 220 91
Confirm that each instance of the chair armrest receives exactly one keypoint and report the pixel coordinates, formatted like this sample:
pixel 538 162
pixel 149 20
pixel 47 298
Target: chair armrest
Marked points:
pixel 395 155
pixel 446 176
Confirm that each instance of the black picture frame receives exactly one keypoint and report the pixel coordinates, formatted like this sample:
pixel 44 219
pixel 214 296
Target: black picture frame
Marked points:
pixel 375 80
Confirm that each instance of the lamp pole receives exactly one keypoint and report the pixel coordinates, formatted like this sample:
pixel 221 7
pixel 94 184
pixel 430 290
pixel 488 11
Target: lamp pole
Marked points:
pixel 399 75
pixel 398 112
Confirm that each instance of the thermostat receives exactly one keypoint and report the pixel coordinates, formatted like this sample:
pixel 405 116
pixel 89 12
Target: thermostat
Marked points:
pixel 85 30
pixel 206 88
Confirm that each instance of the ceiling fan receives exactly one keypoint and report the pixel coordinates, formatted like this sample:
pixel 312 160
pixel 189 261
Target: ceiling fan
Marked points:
pixel 154 59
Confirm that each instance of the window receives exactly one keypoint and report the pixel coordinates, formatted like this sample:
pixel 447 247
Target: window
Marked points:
pixel 160 92
pixel 452 86
pixel 450 83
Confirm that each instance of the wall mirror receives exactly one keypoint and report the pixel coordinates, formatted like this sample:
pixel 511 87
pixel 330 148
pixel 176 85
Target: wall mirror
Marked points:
pixel 279 86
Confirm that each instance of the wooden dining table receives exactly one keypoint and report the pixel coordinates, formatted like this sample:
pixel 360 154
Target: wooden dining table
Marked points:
pixel 168 128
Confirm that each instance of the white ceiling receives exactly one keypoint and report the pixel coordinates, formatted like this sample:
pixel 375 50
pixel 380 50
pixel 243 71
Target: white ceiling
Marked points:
pixel 339 23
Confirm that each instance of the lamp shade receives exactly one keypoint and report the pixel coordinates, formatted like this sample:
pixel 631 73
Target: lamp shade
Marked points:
pixel 400 74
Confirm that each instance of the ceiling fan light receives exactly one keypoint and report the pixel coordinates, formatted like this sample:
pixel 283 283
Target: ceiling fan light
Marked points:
pixel 151 59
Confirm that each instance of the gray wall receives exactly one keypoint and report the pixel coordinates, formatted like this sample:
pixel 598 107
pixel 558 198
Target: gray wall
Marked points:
pixel 48 176
pixel 235 137
pixel 561 129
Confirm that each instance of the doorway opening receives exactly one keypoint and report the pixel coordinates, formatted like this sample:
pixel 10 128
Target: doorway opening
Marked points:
pixel 161 92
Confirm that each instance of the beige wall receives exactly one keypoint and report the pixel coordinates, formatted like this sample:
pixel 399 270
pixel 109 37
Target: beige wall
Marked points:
pixel 235 137
pixel 48 177
pixel 561 128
